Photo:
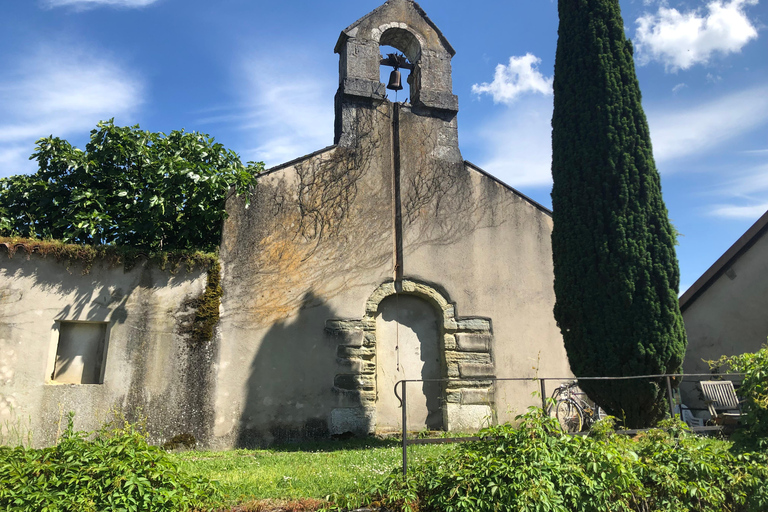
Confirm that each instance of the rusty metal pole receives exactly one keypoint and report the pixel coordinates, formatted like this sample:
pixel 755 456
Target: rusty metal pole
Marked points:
pixel 405 433
pixel 543 385
pixel 671 399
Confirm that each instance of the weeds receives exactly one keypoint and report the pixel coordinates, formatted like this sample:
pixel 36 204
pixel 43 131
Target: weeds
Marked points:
pixel 112 469
pixel 536 468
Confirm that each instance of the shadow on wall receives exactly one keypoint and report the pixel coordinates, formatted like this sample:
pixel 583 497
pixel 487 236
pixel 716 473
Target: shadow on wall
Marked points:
pixel 93 293
pixel 288 393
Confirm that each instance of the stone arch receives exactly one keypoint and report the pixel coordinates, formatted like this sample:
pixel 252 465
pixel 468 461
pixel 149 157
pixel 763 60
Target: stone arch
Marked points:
pixel 466 346
pixel 400 36
pixel 403 38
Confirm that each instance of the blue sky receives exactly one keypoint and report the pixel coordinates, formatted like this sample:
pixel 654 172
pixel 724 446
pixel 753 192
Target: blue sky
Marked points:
pixel 260 76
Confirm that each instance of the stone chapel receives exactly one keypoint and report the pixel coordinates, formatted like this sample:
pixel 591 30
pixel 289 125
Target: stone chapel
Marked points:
pixel 382 257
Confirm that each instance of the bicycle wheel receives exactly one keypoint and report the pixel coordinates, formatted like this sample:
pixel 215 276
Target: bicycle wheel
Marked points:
pixel 552 402
pixel 569 416
pixel 600 413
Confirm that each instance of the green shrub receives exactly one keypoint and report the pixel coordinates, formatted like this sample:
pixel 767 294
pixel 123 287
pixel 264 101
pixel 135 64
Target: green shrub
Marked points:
pixel 754 392
pixel 113 470
pixel 535 467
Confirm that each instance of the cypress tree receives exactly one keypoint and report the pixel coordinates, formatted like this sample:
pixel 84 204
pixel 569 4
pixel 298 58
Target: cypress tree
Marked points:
pixel 616 273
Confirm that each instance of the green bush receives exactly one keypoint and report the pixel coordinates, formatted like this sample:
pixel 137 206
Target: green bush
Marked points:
pixel 129 187
pixel 754 392
pixel 113 470
pixel 535 467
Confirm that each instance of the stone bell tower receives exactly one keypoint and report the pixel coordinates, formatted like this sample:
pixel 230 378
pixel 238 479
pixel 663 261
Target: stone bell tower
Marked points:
pixel 401 24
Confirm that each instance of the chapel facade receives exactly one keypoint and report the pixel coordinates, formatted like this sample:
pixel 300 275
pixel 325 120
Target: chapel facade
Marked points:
pixel 385 256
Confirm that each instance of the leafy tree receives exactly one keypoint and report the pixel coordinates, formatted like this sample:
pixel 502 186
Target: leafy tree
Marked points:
pixel 616 273
pixel 129 187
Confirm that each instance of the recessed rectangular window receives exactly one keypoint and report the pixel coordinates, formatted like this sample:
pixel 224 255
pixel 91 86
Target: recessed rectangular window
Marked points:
pixel 80 353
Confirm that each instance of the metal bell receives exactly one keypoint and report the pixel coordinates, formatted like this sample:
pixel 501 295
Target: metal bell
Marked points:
pixel 395 83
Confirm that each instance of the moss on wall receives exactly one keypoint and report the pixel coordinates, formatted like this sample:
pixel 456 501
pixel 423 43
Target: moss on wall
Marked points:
pixel 86 255
pixel 206 307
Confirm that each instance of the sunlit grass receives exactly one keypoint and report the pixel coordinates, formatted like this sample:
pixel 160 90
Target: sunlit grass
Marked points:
pixel 313 470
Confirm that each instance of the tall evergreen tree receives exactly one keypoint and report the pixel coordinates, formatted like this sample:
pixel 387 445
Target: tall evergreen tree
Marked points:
pixel 616 273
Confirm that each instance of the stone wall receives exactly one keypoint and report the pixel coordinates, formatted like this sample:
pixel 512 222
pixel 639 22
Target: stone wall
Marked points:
pixel 123 328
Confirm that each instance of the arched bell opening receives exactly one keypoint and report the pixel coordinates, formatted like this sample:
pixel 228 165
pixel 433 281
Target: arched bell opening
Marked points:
pixel 400 53
pixel 395 74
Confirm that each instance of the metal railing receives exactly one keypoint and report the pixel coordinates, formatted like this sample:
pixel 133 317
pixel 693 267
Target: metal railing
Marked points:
pixel 543 389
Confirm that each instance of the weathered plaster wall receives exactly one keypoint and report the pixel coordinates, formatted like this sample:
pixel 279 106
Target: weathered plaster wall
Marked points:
pixel 307 264
pixel 150 371
pixel 490 249
pixel 314 242
pixel 730 317
pixel 293 271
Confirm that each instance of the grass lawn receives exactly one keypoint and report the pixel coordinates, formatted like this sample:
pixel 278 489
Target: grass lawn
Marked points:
pixel 308 470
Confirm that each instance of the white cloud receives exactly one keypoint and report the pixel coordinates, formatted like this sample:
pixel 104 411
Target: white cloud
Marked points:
pixel 747 184
pixel 288 110
pixel 512 81
pixel 678 88
pixel 61 91
pixel 713 79
pixel 701 128
pixel 90 4
pixel 742 188
pixel 681 40
pixel 739 212
pixel 518 144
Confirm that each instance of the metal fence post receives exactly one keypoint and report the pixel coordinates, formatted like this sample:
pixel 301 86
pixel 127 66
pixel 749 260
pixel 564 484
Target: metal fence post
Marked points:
pixel 543 385
pixel 671 399
pixel 405 433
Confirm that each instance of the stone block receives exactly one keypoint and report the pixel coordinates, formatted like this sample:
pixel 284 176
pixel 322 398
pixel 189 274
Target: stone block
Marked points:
pixel 468 418
pixel 474 324
pixel 353 397
pixel 346 338
pixel 347 352
pixel 472 342
pixel 347 381
pixel 439 100
pixel 476 397
pixel 364 88
pixel 359 420
pixel 475 370
pixel 358 366
pixel 453 396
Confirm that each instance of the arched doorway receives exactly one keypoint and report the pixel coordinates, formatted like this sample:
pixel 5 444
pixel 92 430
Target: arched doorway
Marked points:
pixel 427 322
pixel 408 346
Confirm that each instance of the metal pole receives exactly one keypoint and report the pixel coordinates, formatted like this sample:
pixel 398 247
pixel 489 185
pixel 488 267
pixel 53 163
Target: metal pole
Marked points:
pixel 543 385
pixel 405 433
pixel 671 399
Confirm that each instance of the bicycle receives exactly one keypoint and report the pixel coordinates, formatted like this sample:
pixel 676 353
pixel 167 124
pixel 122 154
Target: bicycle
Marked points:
pixel 572 409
